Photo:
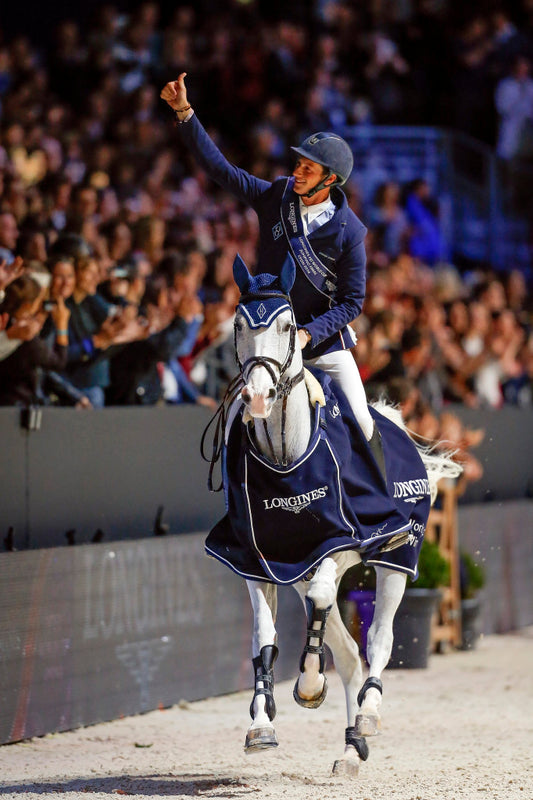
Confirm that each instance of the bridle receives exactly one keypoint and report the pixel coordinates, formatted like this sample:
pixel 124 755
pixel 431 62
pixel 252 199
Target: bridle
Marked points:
pixel 281 385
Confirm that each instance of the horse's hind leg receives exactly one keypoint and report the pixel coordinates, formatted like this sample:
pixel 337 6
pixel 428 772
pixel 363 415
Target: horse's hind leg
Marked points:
pixel 348 665
pixel 319 596
pixel 390 586
pixel 261 734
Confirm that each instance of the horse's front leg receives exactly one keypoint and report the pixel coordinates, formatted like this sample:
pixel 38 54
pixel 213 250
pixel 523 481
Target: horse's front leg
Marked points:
pixel 261 734
pixel 390 586
pixel 318 595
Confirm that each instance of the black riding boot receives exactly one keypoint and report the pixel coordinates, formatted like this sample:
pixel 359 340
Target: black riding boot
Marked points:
pixel 376 446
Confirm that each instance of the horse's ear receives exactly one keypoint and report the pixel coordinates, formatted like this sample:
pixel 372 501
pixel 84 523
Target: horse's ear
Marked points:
pixel 287 274
pixel 241 274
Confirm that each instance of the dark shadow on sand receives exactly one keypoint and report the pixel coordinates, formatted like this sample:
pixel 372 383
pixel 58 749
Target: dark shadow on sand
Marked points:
pixel 163 785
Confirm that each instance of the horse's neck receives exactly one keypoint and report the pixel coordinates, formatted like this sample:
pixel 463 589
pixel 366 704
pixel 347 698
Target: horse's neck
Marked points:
pixel 297 424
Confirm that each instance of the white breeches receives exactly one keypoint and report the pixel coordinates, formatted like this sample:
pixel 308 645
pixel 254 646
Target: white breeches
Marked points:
pixel 341 366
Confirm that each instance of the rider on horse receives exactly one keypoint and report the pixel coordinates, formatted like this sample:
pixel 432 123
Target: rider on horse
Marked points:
pixel 307 215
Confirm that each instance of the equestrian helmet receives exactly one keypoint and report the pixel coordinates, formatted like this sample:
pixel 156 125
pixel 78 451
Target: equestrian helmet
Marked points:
pixel 329 150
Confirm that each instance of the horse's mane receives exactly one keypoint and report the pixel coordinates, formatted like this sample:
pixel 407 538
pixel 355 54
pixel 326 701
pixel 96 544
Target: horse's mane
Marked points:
pixel 438 463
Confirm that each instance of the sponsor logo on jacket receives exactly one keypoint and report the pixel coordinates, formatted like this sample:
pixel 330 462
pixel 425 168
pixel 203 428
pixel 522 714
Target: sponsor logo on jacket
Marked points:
pixel 411 491
pixel 292 217
pixel 277 230
pixel 295 502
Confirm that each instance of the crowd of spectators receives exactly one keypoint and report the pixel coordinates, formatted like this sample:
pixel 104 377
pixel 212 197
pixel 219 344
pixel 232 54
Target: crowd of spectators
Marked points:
pixel 116 252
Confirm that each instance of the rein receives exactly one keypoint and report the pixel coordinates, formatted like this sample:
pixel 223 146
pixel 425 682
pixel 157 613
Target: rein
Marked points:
pixel 220 418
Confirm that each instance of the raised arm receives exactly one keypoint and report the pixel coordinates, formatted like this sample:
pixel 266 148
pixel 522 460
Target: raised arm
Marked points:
pixel 235 180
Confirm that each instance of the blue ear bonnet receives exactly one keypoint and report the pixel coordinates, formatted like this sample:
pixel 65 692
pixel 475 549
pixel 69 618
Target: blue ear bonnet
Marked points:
pixel 263 300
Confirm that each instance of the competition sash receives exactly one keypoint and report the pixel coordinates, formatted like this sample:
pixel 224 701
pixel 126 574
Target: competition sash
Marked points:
pixel 322 278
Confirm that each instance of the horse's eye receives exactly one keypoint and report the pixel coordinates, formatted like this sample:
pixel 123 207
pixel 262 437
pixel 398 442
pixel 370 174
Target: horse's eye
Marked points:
pixel 286 327
pixel 238 325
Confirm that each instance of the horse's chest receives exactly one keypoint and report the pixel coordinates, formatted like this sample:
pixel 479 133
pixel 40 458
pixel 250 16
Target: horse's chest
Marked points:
pixel 290 511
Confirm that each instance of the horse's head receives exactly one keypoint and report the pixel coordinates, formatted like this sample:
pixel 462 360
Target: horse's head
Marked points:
pixel 265 337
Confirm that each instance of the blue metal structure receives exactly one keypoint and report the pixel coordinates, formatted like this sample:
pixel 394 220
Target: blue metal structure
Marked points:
pixel 484 209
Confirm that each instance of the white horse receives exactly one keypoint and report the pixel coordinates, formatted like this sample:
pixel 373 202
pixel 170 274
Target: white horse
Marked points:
pixel 279 413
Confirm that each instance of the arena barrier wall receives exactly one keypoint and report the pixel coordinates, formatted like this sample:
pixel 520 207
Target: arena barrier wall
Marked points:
pixel 505 453
pixel 101 631
pixel 129 473
pixel 114 474
pixel 499 536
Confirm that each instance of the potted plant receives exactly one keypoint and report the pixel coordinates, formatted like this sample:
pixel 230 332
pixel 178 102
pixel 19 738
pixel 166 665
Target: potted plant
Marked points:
pixel 472 579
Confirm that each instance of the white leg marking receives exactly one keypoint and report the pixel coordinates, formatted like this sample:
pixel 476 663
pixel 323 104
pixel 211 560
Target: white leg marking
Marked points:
pixel 264 604
pixel 390 586
pixel 347 661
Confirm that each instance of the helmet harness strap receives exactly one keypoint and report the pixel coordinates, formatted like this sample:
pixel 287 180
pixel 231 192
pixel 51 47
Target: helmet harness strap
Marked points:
pixel 321 185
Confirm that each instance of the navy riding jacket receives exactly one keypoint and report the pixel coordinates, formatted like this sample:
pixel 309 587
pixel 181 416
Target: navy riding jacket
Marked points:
pixel 339 244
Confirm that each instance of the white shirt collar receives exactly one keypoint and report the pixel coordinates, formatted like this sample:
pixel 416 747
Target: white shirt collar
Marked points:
pixel 315 210
pixel 321 212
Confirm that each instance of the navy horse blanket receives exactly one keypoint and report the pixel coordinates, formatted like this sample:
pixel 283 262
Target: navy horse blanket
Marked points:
pixel 280 522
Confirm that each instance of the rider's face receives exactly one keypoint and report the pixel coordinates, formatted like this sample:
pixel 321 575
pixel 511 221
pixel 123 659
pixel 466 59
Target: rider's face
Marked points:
pixel 307 174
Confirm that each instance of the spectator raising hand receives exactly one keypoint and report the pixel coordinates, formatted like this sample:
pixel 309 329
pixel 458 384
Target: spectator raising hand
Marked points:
pixel 9 272
pixel 21 371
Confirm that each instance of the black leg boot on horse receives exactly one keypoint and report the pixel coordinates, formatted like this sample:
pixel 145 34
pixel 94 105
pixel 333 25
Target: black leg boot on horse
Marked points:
pixel 367 724
pixel 316 629
pixel 263 736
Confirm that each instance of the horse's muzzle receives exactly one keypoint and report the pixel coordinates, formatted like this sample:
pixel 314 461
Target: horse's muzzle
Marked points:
pixel 259 405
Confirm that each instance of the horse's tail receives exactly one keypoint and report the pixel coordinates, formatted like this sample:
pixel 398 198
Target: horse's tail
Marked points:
pixel 438 463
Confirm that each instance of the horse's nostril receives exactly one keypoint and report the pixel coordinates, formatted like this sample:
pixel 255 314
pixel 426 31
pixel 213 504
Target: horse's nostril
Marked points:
pixel 246 396
pixel 272 394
